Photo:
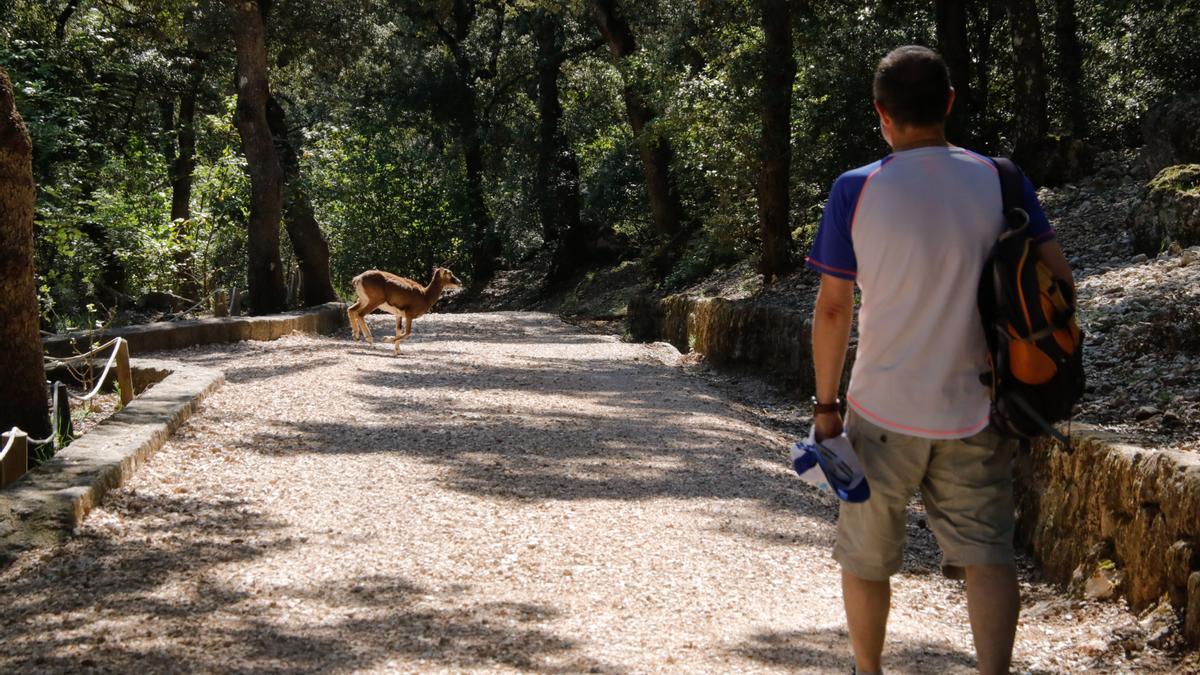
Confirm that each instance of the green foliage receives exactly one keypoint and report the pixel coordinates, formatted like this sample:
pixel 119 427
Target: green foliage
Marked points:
pixel 388 201
pixel 386 105
pixel 215 237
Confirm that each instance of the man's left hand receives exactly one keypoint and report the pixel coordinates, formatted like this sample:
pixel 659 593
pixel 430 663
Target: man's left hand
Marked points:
pixel 826 425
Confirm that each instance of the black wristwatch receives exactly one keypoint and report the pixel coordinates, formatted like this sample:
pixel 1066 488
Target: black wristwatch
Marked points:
pixel 826 408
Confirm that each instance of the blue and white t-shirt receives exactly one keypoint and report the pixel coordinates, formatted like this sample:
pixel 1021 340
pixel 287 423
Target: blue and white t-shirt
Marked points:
pixel 913 230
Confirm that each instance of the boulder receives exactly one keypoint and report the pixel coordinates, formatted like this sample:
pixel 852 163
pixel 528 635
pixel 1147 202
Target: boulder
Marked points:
pixel 1171 132
pixel 161 301
pixel 1058 160
pixel 1169 210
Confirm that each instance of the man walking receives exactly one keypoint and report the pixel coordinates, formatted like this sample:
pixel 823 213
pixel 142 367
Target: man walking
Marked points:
pixel 913 231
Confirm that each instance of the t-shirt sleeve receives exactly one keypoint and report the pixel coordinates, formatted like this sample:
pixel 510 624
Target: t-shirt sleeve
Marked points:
pixel 1039 224
pixel 833 251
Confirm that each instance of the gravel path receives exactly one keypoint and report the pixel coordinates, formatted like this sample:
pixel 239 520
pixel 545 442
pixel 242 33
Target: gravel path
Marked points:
pixel 509 494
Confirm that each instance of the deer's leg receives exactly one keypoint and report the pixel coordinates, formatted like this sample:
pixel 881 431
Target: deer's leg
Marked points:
pixel 396 336
pixel 366 328
pixel 352 315
pixel 408 329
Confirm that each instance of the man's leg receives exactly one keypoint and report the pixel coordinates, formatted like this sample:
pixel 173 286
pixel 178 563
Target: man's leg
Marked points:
pixel 867 604
pixel 993 602
pixel 870 538
pixel 968 495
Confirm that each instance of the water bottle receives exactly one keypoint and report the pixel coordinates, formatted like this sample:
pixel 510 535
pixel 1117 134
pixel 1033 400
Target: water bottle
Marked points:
pixel 804 462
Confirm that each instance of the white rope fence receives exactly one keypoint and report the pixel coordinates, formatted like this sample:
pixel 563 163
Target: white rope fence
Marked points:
pixel 12 437
pixel 115 343
pixel 118 358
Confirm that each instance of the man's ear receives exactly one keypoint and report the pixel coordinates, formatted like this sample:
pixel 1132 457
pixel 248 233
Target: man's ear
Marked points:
pixel 882 112
pixel 950 102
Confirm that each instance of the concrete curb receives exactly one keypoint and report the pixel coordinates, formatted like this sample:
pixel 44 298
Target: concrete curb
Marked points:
pixel 45 506
pixel 151 337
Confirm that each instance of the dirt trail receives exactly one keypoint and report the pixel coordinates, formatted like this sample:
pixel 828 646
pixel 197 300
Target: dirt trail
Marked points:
pixel 508 495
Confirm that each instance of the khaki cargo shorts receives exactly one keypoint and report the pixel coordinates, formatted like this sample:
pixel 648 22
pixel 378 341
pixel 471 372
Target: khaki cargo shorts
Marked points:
pixel 966 485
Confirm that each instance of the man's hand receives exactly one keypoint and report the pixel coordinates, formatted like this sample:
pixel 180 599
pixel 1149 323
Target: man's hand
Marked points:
pixel 826 425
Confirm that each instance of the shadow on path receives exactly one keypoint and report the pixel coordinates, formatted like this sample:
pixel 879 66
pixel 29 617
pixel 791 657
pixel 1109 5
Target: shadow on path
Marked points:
pixel 827 650
pixel 167 604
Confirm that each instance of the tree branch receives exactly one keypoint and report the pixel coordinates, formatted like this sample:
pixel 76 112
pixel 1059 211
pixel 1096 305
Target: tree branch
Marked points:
pixel 578 50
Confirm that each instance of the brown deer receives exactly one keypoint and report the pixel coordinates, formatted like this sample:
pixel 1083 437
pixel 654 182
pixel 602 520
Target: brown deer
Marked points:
pixel 403 297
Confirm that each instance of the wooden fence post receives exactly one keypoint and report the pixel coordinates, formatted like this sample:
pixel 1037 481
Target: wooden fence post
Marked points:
pixel 124 374
pixel 220 302
pixel 64 428
pixel 235 303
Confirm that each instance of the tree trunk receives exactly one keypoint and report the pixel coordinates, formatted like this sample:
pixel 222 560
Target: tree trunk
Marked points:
pixel 312 250
pixel 264 273
pixel 486 251
pixel 986 131
pixel 1070 66
pixel 60 22
pixel 654 149
pixel 558 170
pixel 778 75
pixel 549 114
pixel 1029 83
pixel 953 44
pixel 578 239
pixel 486 247
pixel 23 396
pixel 184 161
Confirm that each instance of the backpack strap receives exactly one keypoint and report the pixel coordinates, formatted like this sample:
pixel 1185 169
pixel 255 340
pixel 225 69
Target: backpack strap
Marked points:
pixel 1012 185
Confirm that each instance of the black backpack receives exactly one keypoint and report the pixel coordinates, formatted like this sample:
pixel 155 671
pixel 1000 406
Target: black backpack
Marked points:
pixel 1034 343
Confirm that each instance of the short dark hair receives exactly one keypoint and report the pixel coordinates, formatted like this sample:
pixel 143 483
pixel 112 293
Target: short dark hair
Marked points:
pixel 912 83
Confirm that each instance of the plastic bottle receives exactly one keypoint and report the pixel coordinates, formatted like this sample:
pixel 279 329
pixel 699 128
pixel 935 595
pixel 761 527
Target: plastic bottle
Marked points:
pixel 804 462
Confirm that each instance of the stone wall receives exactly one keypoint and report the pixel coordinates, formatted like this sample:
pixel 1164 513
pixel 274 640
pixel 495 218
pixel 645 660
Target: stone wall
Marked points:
pixel 772 341
pixel 151 337
pixel 1138 508
pixel 1111 499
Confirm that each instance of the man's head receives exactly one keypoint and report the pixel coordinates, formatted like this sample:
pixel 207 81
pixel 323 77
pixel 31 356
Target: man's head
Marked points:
pixel 912 90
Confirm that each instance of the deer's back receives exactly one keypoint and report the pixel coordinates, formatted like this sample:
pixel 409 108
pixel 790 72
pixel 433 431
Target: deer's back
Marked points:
pixel 397 291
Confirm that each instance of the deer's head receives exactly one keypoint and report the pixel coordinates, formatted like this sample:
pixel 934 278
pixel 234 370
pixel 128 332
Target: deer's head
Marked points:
pixel 446 277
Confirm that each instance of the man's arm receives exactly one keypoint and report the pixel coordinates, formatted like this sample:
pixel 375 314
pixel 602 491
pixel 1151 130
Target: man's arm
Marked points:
pixel 830 337
pixel 1053 256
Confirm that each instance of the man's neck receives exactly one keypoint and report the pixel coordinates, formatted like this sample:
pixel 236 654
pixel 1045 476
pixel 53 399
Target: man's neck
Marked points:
pixel 920 138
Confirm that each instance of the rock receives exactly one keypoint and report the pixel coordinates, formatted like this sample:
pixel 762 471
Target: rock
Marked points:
pixel 1102 585
pixel 1171 419
pixel 160 301
pixel 1192 622
pixel 1139 258
pixel 1145 412
pixel 1172 134
pixel 1169 210
pixel 1059 159
pixel 1159 624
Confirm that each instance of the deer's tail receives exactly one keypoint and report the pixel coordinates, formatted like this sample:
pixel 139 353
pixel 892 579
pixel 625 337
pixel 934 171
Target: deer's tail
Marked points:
pixel 358 287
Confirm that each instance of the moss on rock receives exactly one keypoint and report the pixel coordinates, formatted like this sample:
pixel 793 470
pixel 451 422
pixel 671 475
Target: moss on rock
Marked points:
pixel 1181 179
pixel 1169 210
